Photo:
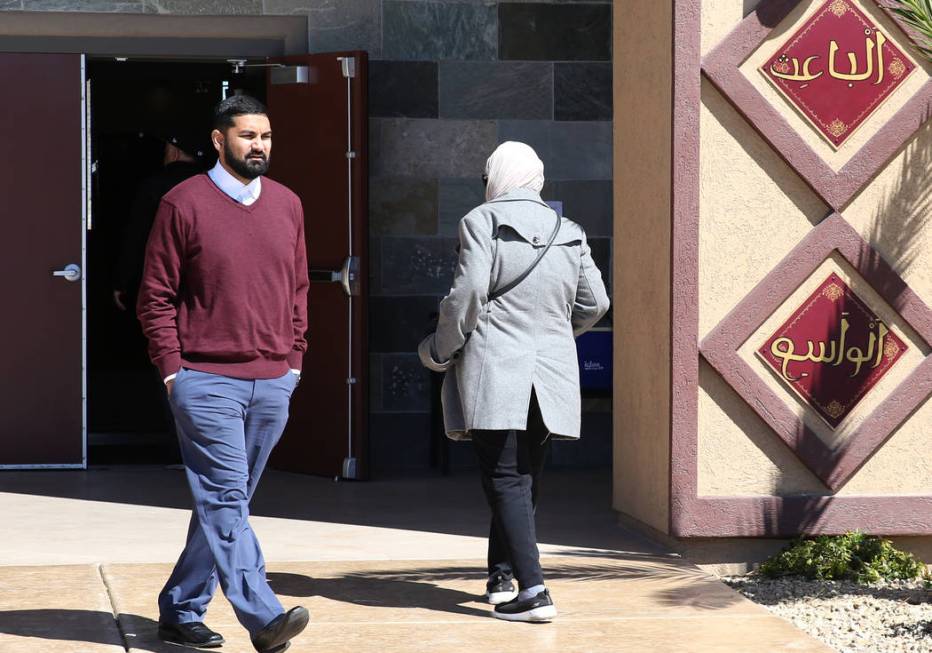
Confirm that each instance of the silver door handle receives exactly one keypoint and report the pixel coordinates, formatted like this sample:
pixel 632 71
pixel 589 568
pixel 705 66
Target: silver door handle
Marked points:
pixel 72 272
pixel 347 276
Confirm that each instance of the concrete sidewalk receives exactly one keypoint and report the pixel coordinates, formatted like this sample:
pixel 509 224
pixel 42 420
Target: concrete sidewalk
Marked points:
pixel 387 567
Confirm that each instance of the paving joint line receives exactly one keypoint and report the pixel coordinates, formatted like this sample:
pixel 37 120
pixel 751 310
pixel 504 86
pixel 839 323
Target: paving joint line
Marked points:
pixel 556 622
pixel 113 607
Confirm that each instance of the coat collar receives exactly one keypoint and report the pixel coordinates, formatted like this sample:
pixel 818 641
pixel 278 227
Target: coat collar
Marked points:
pixel 520 194
pixel 527 221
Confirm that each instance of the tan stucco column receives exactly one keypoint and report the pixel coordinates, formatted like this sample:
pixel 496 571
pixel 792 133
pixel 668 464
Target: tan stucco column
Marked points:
pixel 642 167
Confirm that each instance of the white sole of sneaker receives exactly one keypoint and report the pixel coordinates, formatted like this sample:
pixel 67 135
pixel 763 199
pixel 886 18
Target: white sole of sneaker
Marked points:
pixel 544 613
pixel 497 598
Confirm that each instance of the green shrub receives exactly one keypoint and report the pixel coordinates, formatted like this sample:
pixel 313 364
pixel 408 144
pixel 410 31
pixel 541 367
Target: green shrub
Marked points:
pixel 852 556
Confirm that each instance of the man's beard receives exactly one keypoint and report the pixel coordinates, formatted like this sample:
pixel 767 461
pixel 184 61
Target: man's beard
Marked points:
pixel 247 168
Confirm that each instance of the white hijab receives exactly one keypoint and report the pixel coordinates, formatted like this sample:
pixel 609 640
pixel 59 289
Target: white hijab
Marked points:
pixel 513 165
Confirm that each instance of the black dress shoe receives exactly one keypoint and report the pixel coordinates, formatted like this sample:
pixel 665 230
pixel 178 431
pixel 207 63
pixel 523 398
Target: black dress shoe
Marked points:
pixel 277 633
pixel 280 649
pixel 193 634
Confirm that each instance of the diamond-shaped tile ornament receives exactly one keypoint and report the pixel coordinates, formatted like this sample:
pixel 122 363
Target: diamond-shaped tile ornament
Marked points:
pixel 833 465
pixel 837 69
pixel 808 59
pixel 832 350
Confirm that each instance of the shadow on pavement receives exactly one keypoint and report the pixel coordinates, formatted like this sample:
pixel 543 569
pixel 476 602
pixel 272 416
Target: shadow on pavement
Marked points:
pixel 381 591
pixel 85 626
pixel 575 506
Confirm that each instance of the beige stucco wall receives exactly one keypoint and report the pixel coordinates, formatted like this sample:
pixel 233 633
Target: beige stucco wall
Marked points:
pixel 719 17
pixel 742 236
pixel 642 262
pixel 894 214
pixel 753 210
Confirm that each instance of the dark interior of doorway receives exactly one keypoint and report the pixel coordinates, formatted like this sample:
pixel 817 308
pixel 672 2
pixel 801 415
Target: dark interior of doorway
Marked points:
pixel 134 106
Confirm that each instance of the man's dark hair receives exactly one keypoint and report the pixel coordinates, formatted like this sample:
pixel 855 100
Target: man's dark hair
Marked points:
pixel 236 105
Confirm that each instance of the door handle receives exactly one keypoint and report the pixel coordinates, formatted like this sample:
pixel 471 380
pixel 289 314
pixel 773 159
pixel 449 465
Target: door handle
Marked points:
pixel 72 272
pixel 347 276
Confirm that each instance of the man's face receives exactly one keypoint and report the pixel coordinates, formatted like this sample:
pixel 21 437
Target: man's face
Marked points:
pixel 245 147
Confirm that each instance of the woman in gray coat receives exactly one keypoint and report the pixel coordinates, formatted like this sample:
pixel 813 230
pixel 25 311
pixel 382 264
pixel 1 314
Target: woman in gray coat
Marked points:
pixel 512 377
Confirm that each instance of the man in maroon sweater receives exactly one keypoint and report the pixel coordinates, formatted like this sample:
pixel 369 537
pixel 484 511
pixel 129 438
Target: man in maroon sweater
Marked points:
pixel 223 302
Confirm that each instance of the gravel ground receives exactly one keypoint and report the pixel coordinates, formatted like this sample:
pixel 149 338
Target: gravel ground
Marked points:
pixel 884 617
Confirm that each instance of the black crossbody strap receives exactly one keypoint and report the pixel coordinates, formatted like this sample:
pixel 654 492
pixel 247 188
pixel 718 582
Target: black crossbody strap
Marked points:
pixel 521 277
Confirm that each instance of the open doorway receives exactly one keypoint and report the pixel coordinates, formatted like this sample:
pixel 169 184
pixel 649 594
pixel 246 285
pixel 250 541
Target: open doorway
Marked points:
pixel 136 106
pixel 69 332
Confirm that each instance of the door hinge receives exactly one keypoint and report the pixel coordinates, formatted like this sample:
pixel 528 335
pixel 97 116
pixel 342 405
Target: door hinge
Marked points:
pixel 349 66
pixel 350 155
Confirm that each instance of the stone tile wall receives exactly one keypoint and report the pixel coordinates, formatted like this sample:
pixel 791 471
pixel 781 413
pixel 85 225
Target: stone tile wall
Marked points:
pixel 449 80
pixel 453 81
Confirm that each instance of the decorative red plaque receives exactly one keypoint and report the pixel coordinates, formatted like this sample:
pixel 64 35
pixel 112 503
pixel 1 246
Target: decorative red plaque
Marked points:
pixel 837 69
pixel 832 350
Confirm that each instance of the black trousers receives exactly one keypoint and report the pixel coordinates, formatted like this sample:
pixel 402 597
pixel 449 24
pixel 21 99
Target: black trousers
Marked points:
pixel 511 463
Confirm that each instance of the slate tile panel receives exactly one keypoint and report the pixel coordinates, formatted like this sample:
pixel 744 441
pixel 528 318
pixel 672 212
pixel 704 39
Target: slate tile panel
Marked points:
pixel 204 7
pixel 399 442
pixel 569 150
pixel 121 6
pixel 405 384
pixel 403 89
pixel 398 324
pixel 375 266
pixel 457 197
pixel 438 31
pixel 592 450
pixel 496 90
pixel 375 381
pixel 587 202
pixel 402 206
pixel 336 25
pixel 582 91
pixel 430 148
pixel 602 256
pixel 418 266
pixel 555 32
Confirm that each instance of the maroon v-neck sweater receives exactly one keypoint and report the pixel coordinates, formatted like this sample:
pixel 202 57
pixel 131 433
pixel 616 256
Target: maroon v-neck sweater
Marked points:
pixel 224 289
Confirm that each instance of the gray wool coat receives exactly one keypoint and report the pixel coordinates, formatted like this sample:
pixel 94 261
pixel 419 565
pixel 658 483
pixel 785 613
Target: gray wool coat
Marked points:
pixel 494 353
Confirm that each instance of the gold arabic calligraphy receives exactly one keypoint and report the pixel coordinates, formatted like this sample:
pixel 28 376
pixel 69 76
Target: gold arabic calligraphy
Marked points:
pixel 873 44
pixel 785 350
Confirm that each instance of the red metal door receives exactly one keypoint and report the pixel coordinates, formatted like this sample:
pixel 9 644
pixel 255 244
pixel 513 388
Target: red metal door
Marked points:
pixel 318 109
pixel 42 210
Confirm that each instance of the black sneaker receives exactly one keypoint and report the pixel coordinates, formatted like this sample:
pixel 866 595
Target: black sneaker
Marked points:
pixel 538 608
pixel 500 590
pixel 192 634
